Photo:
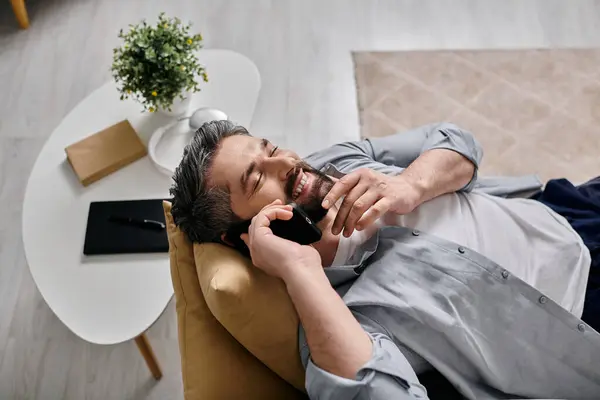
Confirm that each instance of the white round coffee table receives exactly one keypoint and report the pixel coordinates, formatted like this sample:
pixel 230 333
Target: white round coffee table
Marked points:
pixel 111 299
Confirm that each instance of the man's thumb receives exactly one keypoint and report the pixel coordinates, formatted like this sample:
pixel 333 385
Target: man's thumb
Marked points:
pixel 245 238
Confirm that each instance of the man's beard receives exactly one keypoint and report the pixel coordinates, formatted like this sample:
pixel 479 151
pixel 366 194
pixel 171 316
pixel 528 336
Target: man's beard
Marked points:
pixel 311 203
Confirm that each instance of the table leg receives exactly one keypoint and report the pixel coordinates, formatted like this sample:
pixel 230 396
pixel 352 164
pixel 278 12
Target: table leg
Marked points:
pixel 144 346
pixel 20 12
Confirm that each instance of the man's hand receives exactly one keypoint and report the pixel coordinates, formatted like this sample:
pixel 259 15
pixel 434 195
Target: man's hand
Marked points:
pixel 368 195
pixel 274 255
pixel 336 340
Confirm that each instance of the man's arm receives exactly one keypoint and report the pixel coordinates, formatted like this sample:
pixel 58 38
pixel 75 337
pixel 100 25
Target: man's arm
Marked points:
pixel 336 340
pixel 440 159
pixel 391 154
pixel 349 363
pixel 438 171
pixel 345 361
pixel 403 149
pixel 369 194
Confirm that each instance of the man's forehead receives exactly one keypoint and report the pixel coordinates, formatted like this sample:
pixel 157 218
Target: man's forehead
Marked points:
pixel 232 157
pixel 239 145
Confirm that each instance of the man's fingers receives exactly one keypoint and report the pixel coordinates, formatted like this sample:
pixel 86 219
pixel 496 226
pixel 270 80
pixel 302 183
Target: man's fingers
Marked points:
pixel 264 218
pixel 359 207
pixel 346 206
pixel 274 203
pixel 372 214
pixel 340 188
pixel 277 204
pixel 279 213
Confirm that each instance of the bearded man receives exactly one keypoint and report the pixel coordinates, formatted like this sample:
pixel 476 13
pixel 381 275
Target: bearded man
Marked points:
pixel 422 264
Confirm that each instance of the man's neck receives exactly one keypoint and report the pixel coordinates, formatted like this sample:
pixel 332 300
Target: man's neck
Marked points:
pixel 327 246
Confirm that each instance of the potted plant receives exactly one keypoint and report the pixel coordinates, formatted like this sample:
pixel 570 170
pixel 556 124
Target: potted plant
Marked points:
pixel 157 65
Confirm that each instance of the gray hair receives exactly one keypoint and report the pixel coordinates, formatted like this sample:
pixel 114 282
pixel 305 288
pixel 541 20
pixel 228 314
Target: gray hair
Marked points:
pixel 202 212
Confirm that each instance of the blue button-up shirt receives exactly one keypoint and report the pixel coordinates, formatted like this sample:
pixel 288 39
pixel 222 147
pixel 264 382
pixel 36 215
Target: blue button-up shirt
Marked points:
pixel 488 332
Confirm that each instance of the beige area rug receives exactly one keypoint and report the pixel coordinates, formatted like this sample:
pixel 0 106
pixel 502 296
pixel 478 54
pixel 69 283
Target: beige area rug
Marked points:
pixel 534 111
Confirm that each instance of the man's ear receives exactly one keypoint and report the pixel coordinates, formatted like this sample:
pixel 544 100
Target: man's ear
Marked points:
pixel 225 240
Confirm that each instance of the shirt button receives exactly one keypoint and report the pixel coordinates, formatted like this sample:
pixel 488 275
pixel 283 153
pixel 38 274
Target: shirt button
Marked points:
pixel 461 250
pixel 581 327
pixel 543 299
pixel 505 274
pixel 416 233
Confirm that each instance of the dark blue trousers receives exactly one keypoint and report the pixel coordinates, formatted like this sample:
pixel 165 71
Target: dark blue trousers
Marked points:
pixel 580 205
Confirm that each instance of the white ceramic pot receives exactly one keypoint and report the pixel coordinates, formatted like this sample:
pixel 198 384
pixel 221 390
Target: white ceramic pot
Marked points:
pixel 179 106
pixel 198 117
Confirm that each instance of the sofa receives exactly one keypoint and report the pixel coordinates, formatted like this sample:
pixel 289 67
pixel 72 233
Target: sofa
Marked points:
pixel 237 328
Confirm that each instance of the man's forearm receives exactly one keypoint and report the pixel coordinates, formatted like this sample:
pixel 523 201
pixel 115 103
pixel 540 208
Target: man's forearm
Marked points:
pixel 438 171
pixel 337 342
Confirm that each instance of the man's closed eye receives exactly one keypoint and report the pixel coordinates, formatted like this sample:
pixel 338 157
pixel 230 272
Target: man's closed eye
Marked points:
pixel 261 174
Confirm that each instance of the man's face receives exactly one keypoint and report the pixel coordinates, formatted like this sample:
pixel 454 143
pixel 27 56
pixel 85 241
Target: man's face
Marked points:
pixel 256 173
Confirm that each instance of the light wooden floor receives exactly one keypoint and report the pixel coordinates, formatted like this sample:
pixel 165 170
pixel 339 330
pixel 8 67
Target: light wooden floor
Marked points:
pixel 302 49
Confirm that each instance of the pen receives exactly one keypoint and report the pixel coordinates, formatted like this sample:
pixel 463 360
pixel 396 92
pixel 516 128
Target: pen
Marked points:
pixel 138 222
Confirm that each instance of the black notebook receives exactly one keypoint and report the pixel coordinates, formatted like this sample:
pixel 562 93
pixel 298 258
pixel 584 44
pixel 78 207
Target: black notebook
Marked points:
pixel 132 226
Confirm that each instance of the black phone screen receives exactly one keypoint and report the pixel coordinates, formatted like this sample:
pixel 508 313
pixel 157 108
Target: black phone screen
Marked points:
pixel 300 229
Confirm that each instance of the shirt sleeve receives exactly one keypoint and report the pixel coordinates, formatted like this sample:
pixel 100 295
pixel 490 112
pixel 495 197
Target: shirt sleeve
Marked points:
pixel 395 152
pixel 387 375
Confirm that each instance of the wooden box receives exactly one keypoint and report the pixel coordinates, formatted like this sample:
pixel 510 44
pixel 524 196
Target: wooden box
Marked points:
pixel 105 152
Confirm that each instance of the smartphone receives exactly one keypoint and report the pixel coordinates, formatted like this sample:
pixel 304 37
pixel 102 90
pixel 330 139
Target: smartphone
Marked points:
pixel 300 229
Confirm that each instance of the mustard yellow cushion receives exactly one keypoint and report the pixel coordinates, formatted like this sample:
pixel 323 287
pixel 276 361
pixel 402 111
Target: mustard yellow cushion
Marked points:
pixel 253 306
pixel 213 364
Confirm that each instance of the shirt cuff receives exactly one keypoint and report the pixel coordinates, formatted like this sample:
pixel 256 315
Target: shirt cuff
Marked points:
pixel 387 372
pixel 451 137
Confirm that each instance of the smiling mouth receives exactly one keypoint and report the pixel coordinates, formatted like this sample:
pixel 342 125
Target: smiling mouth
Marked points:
pixel 300 183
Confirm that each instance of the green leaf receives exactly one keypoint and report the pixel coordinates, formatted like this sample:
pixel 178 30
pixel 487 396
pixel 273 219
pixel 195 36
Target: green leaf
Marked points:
pixel 150 54
pixel 157 57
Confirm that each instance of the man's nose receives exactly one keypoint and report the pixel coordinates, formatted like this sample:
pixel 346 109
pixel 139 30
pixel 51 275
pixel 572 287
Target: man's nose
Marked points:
pixel 279 165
